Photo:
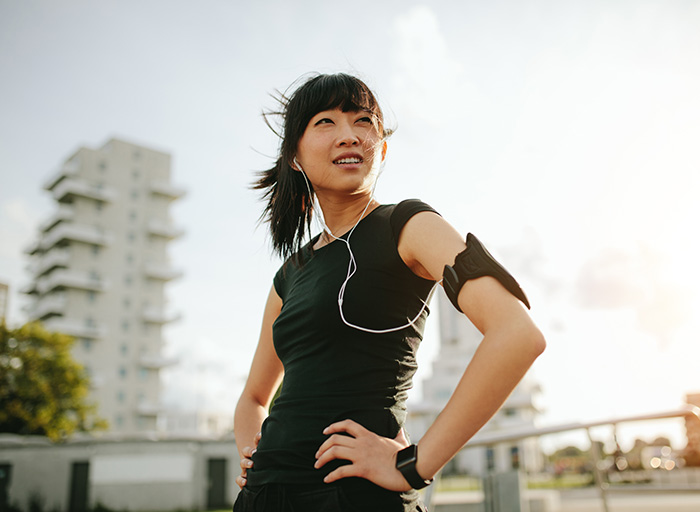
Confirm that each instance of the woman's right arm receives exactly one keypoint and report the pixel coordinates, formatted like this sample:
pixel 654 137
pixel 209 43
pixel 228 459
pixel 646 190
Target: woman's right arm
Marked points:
pixel 264 378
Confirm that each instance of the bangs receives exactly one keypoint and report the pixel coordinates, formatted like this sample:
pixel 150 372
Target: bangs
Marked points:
pixel 347 93
pixel 328 92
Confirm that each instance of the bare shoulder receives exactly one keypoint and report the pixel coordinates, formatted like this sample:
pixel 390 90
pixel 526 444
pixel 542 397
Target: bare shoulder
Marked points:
pixel 427 243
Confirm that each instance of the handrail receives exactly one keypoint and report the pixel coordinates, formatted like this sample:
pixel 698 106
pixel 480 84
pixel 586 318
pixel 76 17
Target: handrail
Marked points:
pixel 493 438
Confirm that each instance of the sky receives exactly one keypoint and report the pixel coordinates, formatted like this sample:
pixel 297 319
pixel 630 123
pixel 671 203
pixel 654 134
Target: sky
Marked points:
pixel 563 133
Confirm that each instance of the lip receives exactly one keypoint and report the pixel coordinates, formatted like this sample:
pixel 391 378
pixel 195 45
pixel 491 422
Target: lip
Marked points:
pixel 343 156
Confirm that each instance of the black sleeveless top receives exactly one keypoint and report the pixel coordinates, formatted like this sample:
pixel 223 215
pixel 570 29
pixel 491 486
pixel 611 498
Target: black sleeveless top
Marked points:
pixel 332 371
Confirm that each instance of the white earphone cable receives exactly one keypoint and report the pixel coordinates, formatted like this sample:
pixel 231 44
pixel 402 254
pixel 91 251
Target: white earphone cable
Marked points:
pixel 352 266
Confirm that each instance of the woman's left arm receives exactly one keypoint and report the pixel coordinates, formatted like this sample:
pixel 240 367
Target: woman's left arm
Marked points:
pixel 510 345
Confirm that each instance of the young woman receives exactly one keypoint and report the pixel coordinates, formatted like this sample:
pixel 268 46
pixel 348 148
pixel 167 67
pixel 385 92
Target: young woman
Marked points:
pixel 345 316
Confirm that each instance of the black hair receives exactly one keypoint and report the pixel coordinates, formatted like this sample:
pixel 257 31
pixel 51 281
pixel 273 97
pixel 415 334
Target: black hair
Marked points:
pixel 289 207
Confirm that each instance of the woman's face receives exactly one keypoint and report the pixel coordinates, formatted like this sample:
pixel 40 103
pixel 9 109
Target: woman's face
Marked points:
pixel 341 151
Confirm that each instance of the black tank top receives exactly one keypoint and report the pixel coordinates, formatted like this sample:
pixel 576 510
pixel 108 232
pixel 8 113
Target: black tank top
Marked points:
pixel 334 372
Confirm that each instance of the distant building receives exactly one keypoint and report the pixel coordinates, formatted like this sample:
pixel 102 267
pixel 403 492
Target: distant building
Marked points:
pixel 692 430
pixel 115 472
pixel 99 268
pixel 459 340
pixel 4 300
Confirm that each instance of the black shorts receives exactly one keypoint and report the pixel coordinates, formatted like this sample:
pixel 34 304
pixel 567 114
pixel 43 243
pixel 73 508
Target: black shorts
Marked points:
pixel 324 497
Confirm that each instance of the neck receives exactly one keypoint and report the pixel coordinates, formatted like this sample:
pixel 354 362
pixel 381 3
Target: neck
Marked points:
pixel 341 215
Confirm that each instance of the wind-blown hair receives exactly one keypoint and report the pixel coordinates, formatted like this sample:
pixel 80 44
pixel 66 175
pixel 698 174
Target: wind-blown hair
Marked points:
pixel 289 207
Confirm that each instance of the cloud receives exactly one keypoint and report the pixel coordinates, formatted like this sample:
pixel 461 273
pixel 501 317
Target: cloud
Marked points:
pixel 430 83
pixel 637 278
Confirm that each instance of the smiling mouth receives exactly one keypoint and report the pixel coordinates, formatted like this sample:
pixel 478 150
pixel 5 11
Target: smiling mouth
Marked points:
pixel 351 160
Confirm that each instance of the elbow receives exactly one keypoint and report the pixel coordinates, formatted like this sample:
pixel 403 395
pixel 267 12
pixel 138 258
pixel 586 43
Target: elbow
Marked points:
pixel 536 342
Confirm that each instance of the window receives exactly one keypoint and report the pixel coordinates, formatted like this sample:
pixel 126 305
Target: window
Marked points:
pixel 134 194
pixel 95 250
pixel 514 457
pixel 87 344
pixel 125 325
pixel 490 459
pixel 128 279
pixel 102 166
pixel 131 236
pixel 143 374
pixel 91 296
pixel 124 349
pixel 122 372
pixel 127 302
pixel 135 173
pixel 98 206
pixel 129 259
pixel 121 397
pixel 119 420
pixel 132 216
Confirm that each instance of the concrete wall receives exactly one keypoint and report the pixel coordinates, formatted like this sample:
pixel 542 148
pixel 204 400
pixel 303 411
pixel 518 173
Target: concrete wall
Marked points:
pixel 124 474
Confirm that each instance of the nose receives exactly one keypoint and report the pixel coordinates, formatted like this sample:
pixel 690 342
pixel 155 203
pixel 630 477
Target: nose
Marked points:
pixel 347 136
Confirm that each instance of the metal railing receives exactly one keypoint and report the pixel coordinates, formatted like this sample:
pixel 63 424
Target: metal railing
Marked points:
pixel 604 489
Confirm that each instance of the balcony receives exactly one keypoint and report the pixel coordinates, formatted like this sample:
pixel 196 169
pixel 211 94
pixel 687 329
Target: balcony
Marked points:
pixel 167 190
pixel 70 279
pixel 68 170
pixel 75 232
pixel 75 328
pixel 165 229
pixel 148 409
pixel 159 316
pixel 161 272
pixel 68 188
pixel 63 213
pixel 46 307
pixel 50 261
pixel 157 362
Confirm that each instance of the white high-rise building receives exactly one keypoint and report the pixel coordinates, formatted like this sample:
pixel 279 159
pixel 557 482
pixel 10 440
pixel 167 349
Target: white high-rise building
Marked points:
pixel 459 340
pixel 99 268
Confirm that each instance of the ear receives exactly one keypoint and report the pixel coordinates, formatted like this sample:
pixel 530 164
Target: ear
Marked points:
pixel 384 148
pixel 295 165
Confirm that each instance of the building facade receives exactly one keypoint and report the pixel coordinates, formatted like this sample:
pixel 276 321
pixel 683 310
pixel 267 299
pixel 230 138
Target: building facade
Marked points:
pixel 459 340
pixel 134 472
pixel 99 268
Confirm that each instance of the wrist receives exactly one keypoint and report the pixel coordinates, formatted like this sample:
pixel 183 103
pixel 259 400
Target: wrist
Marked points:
pixel 407 464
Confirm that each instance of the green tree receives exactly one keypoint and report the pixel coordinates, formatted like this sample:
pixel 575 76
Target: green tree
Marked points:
pixel 43 390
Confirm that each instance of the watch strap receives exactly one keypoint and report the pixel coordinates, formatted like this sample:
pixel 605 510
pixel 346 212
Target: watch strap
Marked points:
pixel 408 468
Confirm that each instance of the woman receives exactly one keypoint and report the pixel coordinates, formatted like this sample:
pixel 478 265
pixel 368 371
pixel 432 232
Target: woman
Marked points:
pixel 345 316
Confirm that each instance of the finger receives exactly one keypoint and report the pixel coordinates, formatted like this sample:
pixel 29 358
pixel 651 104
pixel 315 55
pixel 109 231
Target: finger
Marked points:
pixel 241 481
pixel 401 438
pixel 247 451
pixel 335 440
pixel 257 438
pixel 335 452
pixel 246 463
pixel 341 472
pixel 349 426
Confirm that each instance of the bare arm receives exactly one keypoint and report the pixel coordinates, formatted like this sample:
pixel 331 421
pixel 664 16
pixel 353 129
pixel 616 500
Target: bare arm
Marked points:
pixel 264 378
pixel 511 344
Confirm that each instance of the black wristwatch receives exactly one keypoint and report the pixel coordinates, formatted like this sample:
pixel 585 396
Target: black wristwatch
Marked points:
pixel 406 463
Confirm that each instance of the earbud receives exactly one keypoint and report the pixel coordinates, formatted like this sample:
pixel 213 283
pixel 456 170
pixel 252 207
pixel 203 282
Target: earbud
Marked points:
pixel 296 164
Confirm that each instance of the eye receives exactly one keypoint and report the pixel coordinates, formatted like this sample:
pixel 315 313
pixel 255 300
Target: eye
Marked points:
pixel 365 119
pixel 323 120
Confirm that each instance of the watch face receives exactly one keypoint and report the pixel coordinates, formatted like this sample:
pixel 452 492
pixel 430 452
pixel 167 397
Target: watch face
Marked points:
pixel 407 456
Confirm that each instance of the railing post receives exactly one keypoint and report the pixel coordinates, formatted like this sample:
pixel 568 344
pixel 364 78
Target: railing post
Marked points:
pixel 602 486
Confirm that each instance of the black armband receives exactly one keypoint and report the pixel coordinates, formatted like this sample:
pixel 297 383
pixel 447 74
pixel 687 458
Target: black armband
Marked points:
pixel 475 261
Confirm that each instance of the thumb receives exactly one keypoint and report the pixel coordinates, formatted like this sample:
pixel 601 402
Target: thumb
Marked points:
pixel 401 438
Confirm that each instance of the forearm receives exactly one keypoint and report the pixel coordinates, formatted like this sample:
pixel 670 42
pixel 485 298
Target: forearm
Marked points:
pixel 247 421
pixel 500 362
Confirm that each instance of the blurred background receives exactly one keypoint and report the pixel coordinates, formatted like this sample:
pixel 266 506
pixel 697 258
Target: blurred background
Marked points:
pixel 563 134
